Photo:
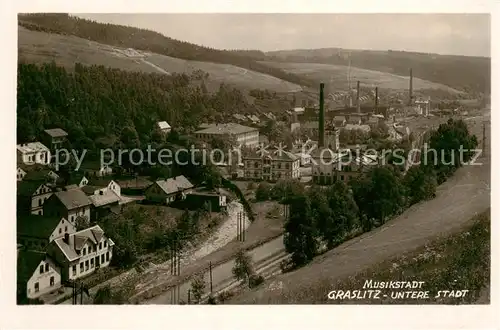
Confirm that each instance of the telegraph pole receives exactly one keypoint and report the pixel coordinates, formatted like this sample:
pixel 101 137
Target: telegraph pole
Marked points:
pixel 211 282
pixel 175 269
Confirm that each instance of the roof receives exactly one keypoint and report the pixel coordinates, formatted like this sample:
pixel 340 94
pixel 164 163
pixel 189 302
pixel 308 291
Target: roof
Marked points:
pixel 163 125
pixel 73 198
pixel 27 263
pixel 77 240
pixel 310 125
pixel 90 189
pixel 339 118
pixel 229 128
pixel 299 109
pixel 274 154
pixel 365 128
pixel 28 188
pixel 56 132
pixel 108 197
pixel 173 185
pixel 40 226
pixel 31 147
pixel 76 177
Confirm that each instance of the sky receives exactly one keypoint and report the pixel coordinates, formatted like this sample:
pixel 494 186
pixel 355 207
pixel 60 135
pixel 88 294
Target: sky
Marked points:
pixel 455 34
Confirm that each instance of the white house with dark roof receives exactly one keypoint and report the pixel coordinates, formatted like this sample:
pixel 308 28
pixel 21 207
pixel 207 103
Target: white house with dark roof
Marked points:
pixel 164 127
pixel 69 204
pixel 35 232
pixel 82 253
pixel 33 153
pixel 37 274
pixel 31 196
pixel 20 173
pixel 170 190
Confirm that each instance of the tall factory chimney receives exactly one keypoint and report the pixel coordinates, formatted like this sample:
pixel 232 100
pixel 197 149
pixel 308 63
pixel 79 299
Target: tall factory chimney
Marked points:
pixel 376 99
pixel 358 105
pixel 321 142
pixel 410 101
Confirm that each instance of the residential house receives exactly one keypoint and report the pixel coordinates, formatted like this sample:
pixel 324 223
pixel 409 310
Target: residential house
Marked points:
pixel 271 165
pixel 41 174
pixel 95 169
pixel 35 232
pixel 105 196
pixel 20 173
pixel 31 196
pixel 354 120
pixel 55 138
pixel 243 135
pixel 215 199
pixel 37 274
pixel 170 190
pixel 69 204
pixel 254 119
pixel 82 253
pixel 339 121
pixel 164 127
pixel 33 153
pixel 78 178
pixel 344 164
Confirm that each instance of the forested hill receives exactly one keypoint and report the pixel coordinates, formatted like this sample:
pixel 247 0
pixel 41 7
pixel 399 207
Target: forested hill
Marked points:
pixel 146 40
pixel 466 73
pixel 102 107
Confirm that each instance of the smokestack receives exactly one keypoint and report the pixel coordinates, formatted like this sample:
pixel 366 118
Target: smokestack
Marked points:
pixel 358 105
pixel 321 142
pixel 376 99
pixel 410 102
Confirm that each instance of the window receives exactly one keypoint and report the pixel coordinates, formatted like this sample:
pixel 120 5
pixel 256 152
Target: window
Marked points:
pixel 60 230
pixel 342 178
pixel 47 267
pixel 41 269
pixel 84 251
pixel 105 243
pixel 100 245
pixel 65 229
pixel 40 202
pixel 39 212
pixel 52 281
pixel 86 265
pixel 92 263
pixel 90 249
pixel 102 258
pixel 74 270
pixel 107 256
pixel 72 218
pixel 37 287
pixel 81 267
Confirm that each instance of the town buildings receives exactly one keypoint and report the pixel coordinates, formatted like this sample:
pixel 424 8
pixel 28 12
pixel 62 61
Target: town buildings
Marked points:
pixel 37 274
pixel 35 232
pixel 216 200
pixel 69 204
pixel 271 165
pixel 164 127
pixel 55 138
pixel 242 135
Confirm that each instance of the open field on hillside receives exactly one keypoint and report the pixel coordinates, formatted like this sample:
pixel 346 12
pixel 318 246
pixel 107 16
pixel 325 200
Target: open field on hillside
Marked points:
pixel 335 76
pixel 40 47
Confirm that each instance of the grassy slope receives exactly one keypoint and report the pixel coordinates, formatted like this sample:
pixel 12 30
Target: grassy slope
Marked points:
pixel 460 72
pixel 39 47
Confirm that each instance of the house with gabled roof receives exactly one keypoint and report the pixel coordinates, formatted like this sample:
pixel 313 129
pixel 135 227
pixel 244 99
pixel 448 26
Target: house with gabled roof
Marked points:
pixel 31 196
pixel 78 178
pixel 105 195
pixel 82 253
pixel 69 204
pixel 95 169
pixel 33 153
pixel 170 190
pixel 35 232
pixel 21 173
pixel 37 274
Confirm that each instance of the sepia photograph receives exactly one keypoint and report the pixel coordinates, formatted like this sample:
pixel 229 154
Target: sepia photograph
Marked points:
pixel 262 159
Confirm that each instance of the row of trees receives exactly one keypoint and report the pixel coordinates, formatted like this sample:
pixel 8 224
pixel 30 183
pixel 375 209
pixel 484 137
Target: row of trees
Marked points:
pixel 323 217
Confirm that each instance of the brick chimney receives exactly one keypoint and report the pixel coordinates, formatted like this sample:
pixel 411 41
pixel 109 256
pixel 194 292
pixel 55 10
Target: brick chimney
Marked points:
pixel 321 142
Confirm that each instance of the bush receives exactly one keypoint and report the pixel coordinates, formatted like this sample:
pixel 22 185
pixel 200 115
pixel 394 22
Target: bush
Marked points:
pixel 263 192
pixel 255 281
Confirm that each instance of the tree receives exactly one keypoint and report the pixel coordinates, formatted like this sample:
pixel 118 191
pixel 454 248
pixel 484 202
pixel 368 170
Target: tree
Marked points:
pixel 263 191
pixel 242 269
pixel 421 184
pixel 300 232
pixel 106 296
pixel 343 214
pixel 198 287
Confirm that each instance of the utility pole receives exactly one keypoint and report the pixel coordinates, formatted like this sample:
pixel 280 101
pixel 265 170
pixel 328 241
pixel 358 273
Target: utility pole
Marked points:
pixel 211 282
pixel 189 296
pixel 175 269
pixel 81 293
